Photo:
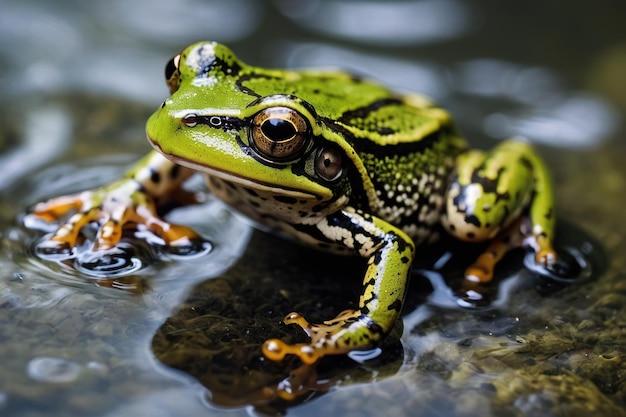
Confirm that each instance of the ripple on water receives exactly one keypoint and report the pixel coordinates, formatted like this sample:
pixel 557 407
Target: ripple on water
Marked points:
pixel 126 258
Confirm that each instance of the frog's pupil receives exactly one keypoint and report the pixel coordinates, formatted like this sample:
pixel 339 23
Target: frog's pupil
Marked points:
pixel 278 129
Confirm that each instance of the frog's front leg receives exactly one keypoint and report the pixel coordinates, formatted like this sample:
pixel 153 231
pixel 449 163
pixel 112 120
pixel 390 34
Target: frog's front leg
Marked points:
pixel 503 196
pixel 390 254
pixel 135 199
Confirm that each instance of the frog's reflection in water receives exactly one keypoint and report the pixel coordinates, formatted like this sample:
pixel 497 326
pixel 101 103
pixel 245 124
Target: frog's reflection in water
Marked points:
pixel 217 333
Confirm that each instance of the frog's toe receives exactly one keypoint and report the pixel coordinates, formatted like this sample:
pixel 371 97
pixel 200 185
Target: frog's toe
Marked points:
pixel 179 239
pixel 179 236
pixel 109 235
pixel 546 257
pixel 479 274
pixel 276 350
pixel 66 237
pixel 55 208
pixel 482 269
pixel 297 318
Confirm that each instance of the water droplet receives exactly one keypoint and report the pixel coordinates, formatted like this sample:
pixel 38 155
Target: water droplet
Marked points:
pixel 98 368
pixel 362 356
pixel 17 276
pixel 55 370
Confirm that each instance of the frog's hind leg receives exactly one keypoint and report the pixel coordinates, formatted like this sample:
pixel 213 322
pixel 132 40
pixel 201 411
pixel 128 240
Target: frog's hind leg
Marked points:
pixel 489 196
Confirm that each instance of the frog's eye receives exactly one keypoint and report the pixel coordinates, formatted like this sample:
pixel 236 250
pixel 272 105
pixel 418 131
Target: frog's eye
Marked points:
pixel 171 74
pixel 279 133
pixel 328 163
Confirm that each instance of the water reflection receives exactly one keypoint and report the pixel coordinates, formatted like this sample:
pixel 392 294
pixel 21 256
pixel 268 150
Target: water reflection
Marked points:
pixel 502 79
pixel 543 111
pixel 581 120
pixel 387 23
pixel 217 332
pixel 46 136
pixel 175 23
pixel 427 78
pixel 95 47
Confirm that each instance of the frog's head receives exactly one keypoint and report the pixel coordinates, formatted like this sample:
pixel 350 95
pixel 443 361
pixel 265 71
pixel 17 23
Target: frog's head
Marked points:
pixel 215 123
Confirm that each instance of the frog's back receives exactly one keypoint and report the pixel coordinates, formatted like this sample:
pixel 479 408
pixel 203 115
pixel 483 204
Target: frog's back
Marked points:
pixel 408 153
pixel 402 146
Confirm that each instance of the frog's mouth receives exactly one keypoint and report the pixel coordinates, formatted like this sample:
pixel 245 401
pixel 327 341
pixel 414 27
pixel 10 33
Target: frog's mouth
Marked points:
pixel 247 182
pixel 242 181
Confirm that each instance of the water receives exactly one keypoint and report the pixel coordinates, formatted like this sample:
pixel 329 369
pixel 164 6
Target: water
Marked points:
pixel 179 335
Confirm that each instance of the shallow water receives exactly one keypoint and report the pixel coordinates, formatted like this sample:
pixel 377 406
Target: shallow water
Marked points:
pixel 180 337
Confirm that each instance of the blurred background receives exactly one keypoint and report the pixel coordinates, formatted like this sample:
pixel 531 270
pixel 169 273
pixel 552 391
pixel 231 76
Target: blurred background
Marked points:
pixel 558 70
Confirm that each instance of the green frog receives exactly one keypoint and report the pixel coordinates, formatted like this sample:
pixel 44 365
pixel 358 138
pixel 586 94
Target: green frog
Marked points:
pixel 331 160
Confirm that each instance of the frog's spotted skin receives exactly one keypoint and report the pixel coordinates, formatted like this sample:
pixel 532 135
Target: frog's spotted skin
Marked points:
pixel 336 162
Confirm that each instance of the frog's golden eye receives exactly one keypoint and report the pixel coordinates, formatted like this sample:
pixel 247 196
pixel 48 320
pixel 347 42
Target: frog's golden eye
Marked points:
pixel 172 75
pixel 329 163
pixel 279 134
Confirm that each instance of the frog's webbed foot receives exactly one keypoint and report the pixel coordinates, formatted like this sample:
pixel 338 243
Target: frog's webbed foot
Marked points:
pixel 111 210
pixel 514 236
pixel 328 338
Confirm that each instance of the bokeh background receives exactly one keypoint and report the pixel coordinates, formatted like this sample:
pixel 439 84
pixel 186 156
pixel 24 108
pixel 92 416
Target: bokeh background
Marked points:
pixel 78 79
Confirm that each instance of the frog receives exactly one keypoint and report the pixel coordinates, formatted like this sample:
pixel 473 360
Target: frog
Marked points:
pixel 332 160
